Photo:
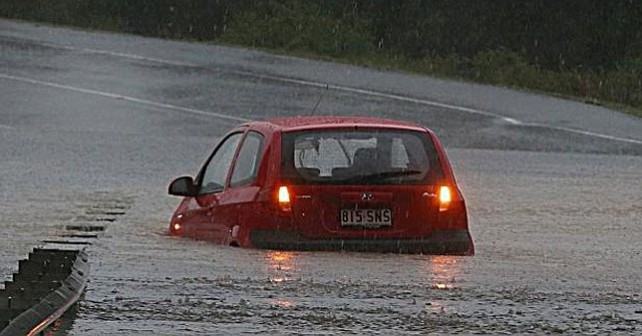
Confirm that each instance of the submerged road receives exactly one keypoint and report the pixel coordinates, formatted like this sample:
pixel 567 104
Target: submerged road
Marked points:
pixel 94 125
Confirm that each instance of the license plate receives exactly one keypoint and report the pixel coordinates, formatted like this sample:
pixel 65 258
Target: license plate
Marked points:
pixel 371 218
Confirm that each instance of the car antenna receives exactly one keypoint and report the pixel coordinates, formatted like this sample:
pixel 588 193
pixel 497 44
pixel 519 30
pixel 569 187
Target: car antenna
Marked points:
pixel 314 109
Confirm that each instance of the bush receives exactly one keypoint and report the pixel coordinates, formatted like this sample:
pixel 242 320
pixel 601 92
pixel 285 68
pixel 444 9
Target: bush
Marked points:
pixel 299 26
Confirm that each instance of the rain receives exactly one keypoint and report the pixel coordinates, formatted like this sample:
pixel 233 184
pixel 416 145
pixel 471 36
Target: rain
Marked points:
pixel 94 125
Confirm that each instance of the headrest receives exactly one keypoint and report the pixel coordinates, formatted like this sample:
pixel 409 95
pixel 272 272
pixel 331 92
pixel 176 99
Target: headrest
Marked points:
pixel 365 156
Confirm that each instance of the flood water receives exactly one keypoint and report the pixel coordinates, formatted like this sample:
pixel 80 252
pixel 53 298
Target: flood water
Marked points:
pixel 94 126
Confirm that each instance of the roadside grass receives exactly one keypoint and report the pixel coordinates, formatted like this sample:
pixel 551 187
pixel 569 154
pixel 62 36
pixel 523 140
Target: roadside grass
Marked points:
pixel 560 85
pixel 311 29
pixel 304 29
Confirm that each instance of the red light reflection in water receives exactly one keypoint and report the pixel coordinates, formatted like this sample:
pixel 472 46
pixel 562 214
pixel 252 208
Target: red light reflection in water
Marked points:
pixel 442 274
pixel 280 265
pixel 443 271
pixel 54 328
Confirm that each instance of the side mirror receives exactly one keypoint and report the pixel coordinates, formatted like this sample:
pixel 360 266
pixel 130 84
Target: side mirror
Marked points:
pixel 183 186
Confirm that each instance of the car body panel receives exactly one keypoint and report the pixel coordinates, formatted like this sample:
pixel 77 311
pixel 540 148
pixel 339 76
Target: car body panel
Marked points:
pixel 316 210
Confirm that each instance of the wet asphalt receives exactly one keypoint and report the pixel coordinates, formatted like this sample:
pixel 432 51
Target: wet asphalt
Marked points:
pixel 93 126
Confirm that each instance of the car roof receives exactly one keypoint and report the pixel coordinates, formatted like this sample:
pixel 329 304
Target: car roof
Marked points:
pixel 319 122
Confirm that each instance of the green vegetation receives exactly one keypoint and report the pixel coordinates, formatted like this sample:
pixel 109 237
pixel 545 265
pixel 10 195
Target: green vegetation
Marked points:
pixel 589 49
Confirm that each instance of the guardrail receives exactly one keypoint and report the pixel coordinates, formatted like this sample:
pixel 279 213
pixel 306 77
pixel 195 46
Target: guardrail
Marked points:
pixel 46 285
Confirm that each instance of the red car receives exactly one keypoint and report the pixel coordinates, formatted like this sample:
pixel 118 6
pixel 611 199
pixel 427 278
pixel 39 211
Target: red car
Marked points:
pixel 326 183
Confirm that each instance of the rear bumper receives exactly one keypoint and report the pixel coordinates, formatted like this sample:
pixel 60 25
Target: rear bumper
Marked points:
pixel 445 242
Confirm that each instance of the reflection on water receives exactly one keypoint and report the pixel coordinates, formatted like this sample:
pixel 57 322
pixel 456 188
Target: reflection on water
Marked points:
pixel 443 271
pixel 280 264
pixel 282 260
pixel 282 303
pixel 64 323
pixel 438 272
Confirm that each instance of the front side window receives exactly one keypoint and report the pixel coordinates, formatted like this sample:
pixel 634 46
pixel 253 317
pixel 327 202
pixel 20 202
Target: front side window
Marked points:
pixel 367 156
pixel 247 162
pixel 215 172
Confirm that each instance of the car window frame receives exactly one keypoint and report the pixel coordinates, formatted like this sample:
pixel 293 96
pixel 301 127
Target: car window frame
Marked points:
pixel 199 178
pixel 252 179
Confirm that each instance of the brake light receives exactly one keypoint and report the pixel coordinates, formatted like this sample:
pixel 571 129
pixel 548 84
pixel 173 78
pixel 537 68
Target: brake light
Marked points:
pixel 284 195
pixel 445 198
pixel 283 198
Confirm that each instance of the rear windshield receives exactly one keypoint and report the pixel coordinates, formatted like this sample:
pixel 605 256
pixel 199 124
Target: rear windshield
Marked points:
pixel 361 157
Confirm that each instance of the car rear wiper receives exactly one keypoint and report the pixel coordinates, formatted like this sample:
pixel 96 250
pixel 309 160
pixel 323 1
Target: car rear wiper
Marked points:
pixel 381 175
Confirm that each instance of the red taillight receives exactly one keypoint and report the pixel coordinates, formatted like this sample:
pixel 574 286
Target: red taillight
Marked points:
pixel 283 198
pixel 445 197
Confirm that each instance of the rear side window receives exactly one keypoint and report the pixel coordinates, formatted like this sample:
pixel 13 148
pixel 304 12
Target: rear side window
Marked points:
pixel 247 162
pixel 367 156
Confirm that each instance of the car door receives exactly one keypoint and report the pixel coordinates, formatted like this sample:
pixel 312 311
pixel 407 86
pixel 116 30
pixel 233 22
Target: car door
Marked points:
pixel 239 200
pixel 205 218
